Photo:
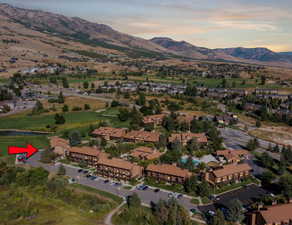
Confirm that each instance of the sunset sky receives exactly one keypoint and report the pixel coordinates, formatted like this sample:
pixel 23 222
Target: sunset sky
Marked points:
pixel 207 23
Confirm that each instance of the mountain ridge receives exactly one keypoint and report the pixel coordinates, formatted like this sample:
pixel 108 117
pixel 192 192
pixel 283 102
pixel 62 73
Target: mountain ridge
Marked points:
pixel 101 35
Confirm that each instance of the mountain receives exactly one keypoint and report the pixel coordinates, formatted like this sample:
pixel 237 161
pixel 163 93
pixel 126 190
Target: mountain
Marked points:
pixel 44 32
pixel 251 55
pixel 78 29
pixel 259 54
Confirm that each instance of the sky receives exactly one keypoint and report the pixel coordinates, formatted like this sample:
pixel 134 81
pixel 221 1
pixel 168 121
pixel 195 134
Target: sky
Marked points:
pixel 206 23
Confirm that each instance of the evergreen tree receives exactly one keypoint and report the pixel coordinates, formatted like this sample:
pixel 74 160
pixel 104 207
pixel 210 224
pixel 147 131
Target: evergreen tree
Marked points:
pixel 74 138
pixel 61 99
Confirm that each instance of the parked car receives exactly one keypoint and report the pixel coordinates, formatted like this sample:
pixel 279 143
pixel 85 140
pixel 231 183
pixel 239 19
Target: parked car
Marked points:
pixel 211 213
pixel 156 190
pixel 142 187
pixel 93 178
pixel 80 170
pixel 106 181
pixel 117 184
pixel 85 171
pixel 178 196
pixel 170 195
pixel 193 210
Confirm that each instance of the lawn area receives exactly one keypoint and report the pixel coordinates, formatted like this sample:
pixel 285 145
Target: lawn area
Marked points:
pixel 50 211
pixel 74 120
pixel 21 141
pixel 39 122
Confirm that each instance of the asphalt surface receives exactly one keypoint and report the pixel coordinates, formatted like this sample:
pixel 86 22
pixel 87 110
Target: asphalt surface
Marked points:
pixel 237 139
pixel 246 195
pixel 146 196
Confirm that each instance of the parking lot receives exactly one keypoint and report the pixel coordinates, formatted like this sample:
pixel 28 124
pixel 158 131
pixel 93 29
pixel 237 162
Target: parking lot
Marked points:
pixel 246 195
pixel 147 196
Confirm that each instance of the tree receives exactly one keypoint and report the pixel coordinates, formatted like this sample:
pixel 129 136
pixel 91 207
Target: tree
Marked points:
pixel 92 85
pixel 65 108
pixel 258 123
pixel 218 219
pixel 74 138
pixel 204 189
pixel 61 99
pixel 59 119
pixel 65 82
pixel 142 99
pixel 285 184
pixel 124 114
pixel 61 170
pixel 85 84
pixel 134 201
pixel 162 141
pixel 47 156
pixel 267 177
pixel 86 106
pixel 38 108
pixel 235 211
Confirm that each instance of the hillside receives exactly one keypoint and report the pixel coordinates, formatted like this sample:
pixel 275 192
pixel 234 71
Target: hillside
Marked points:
pixel 35 36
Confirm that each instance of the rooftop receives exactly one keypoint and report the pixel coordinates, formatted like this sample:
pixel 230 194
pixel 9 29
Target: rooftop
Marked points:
pixel 86 151
pixel 277 213
pixel 231 169
pixel 169 169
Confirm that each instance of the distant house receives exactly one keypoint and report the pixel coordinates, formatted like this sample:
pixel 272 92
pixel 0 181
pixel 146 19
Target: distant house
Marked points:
pixel 145 153
pixel 184 138
pixel 228 173
pixel 167 173
pixel 272 215
pixel 232 156
pixel 154 119
pixel 118 169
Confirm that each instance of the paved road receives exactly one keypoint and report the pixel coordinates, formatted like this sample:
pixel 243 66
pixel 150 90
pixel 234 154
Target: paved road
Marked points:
pixel 146 196
pixel 237 139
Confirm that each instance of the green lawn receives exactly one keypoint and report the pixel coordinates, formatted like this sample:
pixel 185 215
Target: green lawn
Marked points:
pixel 21 141
pixel 74 120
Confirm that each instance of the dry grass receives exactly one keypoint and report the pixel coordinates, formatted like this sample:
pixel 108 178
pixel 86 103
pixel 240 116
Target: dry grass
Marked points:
pixel 73 101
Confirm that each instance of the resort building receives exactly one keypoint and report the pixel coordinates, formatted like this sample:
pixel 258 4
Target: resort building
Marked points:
pixel 273 215
pixel 145 153
pixel 118 169
pixel 88 155
pixel 59 145
pixel 232 156
pixel 154 119
pixel 110 133
pixel 230 172
pixel 142 136
pixel 167 173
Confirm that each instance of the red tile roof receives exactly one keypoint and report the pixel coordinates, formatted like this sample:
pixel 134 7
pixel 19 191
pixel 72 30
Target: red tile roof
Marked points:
pixel 169 169
pixel 232 154
pixel 145 153
pixel 157 119
pixel 85 150
pixel 142 136
pixel 231 169
pixel 110 131
pixel 277 214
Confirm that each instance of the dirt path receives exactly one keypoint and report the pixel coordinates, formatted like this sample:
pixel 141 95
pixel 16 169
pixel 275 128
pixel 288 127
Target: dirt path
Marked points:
pixel 108 219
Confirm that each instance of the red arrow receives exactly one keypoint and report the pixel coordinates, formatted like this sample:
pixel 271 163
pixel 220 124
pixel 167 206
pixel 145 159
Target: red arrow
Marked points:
pixel 29 150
